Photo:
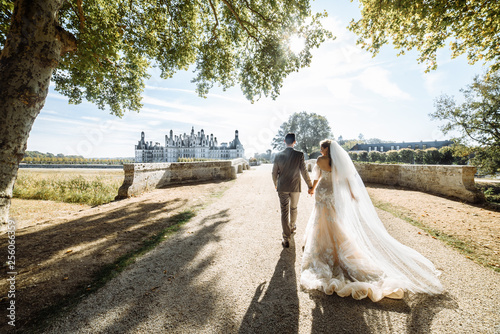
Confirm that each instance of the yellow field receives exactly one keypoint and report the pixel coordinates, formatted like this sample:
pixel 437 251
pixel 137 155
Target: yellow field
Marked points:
pixel 112 174
pixel 70 185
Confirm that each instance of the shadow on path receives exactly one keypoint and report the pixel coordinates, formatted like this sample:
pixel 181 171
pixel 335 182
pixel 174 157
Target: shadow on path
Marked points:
pixel 334 314
pixel 162 290
pixel 58 260
pixel 277 311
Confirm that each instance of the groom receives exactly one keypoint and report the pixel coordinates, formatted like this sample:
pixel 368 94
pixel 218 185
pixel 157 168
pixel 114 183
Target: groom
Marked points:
pixel 288 165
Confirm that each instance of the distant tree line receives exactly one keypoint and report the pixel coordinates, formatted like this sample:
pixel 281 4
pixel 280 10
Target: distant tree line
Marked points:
pixel 447 155
pixel 35 157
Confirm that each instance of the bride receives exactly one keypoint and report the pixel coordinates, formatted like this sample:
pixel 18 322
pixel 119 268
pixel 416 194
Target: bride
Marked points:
pixel 347 249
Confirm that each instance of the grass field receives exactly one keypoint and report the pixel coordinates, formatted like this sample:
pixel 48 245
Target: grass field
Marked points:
pixel 83 186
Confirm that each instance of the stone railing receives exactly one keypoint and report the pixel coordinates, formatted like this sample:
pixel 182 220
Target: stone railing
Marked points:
pixel 453 181
pixel 143 177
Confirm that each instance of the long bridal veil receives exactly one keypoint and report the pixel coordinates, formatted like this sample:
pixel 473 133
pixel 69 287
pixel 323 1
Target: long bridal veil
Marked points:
pixel 407 268
pixel 349 251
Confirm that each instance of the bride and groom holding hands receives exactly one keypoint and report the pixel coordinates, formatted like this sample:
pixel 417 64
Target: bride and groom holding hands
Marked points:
pixel 347 249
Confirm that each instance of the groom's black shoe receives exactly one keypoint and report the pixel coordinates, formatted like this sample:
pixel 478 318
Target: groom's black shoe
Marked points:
pixel 285 244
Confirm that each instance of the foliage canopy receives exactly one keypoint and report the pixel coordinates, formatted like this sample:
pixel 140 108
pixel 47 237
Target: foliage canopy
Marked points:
pixel 471 27
pixel 309 129
pixel 477 119
pixel 228 42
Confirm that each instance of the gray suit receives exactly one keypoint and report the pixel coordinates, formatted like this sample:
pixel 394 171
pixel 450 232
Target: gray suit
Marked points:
pixel 288 165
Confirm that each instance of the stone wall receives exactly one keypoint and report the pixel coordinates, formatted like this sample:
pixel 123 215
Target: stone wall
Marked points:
pixel 453 181
pixel 143 177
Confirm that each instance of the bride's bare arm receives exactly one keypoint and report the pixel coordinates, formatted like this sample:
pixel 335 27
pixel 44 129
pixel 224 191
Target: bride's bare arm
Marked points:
pixel 350 190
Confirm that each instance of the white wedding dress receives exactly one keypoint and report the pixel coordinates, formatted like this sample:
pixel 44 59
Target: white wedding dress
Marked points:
pixel 347 249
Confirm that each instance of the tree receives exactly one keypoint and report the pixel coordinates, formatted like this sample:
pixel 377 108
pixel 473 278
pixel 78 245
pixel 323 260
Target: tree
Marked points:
pixel 349 143
pixel 392 156
pixel 477 119
pixel 471 26
pixel 363 156
pixel 353 155
pixel 432 156
pixel 406 155
pixel 309 129
pixel 101 51
pixel 419 156
pixel 446 155
pixel 375 156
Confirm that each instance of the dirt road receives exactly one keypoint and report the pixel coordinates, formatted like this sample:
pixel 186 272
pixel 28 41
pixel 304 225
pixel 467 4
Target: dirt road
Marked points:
pixel 225 271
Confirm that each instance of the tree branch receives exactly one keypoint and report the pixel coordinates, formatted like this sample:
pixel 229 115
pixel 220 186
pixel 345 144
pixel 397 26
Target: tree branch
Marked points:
pixel 67 39
pixel 80 14
pixel 240 21
pixel 259 14
pixel 214 29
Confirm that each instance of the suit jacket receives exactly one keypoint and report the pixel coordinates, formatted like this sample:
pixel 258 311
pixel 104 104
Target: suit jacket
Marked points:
pixel 288 165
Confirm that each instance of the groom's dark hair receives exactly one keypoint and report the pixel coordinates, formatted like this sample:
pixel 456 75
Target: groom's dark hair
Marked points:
pixel 290 138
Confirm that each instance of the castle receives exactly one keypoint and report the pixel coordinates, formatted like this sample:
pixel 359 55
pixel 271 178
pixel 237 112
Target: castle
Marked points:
pixel 188 146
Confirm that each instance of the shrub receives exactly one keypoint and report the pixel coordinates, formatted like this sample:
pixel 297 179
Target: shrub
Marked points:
pixel 354 156
pixel 363 156
pixel 432 156
pixel 374 156
pixel 418 155
pixel 392 156
pixel 446 155
pixel 406 155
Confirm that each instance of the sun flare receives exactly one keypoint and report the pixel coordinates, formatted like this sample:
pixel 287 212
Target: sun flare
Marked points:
pixel 297 44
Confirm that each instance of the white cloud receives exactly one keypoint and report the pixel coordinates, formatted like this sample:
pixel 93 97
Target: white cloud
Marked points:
pixel 94 119
pixel 192 92
pixel 377 80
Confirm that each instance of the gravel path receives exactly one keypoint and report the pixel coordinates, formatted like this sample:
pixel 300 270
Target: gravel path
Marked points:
pixel 226 272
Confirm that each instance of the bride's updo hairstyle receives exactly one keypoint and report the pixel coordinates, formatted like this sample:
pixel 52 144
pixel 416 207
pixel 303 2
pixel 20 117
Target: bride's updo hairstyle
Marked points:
pixel 326 144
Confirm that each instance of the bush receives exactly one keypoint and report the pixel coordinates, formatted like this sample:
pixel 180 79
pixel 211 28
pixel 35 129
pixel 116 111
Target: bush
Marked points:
pixel 375 156
pixel 491 191
pixel 432 156
pixel 392 156
pixel 406 155
pixel 447 157
pixel 418 156
pixel 354 156
pixel 363 156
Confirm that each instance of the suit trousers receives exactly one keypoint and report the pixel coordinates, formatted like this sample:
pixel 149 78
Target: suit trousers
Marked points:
pixel 288 203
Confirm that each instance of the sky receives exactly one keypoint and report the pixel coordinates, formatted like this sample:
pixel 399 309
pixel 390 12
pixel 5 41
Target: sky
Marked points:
pixel 385 97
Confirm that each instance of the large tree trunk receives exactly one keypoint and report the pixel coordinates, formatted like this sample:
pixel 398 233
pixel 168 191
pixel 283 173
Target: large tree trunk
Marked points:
pixel 32 51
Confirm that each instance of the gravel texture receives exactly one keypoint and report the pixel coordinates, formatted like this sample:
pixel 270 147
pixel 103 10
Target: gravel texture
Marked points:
pixel 226 272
